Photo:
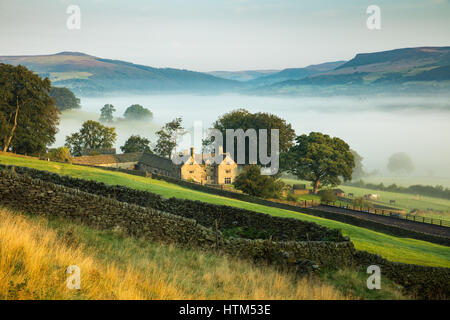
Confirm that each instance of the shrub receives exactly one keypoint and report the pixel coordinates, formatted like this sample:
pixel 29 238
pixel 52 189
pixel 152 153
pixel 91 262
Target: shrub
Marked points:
pixel 328 196
pixel 252 182
pixel 363 203
pixel 291 197
pixel 60 154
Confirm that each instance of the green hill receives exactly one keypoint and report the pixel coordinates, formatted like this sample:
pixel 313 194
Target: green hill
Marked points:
pixel 89 75
pixel 423 69
pixel 295 73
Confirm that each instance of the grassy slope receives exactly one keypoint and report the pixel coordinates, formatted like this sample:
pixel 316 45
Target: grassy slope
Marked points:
pixel 35 253
pixel 392 248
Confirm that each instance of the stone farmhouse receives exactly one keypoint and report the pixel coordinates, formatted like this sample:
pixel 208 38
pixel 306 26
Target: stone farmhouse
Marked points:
pixel 196 167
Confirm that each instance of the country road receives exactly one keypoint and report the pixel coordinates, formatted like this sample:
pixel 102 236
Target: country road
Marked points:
pixel 405 224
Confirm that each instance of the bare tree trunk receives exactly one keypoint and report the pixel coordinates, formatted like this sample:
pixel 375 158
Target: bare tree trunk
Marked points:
pixel 316 186
pixel 8 142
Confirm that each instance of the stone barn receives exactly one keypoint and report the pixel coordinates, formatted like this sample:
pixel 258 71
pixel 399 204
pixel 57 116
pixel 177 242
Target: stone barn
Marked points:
pixel 120 161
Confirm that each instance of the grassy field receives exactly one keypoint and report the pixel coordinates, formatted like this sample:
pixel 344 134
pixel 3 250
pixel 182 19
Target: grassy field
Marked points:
pixel 36 252
pixel 393 248
pixel 403 201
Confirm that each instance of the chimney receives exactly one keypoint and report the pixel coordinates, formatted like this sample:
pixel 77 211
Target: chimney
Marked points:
pixel 192 151
pixel 221 150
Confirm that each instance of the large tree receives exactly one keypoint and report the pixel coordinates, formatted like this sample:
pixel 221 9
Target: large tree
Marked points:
pixel 28 115
pixel 92 135
pixel 358 171
pixel 321 159
pixel 64 98
pixel 167 138
pixel 138 112
pixel 243 119
pixel 107 113
pixel 136 143
pixel 400 162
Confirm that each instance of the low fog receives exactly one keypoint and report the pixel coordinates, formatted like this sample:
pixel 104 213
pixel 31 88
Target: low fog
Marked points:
pixel 376 127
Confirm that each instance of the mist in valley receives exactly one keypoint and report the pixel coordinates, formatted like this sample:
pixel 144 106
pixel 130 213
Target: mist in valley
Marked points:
pixel 376 127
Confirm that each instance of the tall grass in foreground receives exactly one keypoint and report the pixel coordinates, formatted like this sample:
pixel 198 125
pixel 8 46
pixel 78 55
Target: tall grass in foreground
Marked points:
pixel 34 257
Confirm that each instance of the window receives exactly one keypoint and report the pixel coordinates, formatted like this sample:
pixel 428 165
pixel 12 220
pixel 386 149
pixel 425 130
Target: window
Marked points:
pixel 228 171
pixel 191 172
pixel 227 180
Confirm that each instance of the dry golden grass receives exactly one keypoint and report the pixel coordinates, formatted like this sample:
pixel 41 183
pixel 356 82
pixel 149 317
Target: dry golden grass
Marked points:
pixel 33 260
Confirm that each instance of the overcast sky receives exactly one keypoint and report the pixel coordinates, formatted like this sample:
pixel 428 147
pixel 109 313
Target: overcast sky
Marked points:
pixel 207 35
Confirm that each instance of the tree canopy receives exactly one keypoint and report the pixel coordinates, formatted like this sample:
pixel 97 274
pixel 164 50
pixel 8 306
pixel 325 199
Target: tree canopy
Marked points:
pixel 64 98
pixel 400 163
pixel 92 135
pixel 243 119
pixel 28 115
pixel 321 159
pixel 167 138
pixel 358 171
pixel 136 143
pixel 107 113
pixel 138 112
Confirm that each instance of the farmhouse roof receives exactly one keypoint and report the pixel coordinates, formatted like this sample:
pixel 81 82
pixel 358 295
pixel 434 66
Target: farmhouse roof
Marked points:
pixel 107 159
pixel 102 151
pixel 155 161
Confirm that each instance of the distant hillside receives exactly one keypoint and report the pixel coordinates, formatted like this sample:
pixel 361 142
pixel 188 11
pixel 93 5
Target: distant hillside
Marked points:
pixel 413 69
pixel 89 75
pixel 245 75
pixel 296 73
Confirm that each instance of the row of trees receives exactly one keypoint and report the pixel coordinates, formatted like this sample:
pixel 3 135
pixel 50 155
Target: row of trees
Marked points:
pixel 133 112
pixel 94 135
pixel 438 191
